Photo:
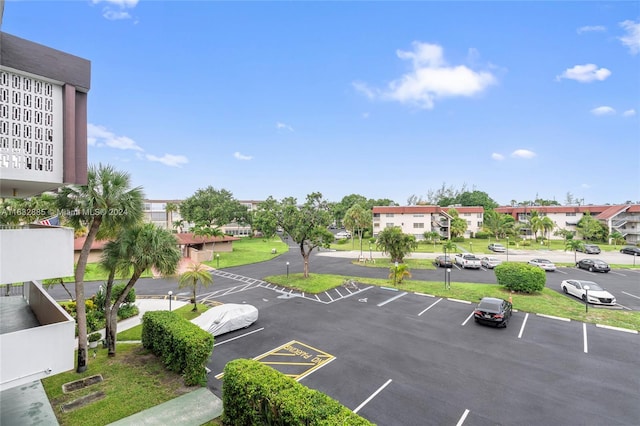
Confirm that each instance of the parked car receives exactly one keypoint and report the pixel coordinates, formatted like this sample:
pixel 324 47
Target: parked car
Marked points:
pixel 545 264
pixel 635 251
pixel 497 248
pixel 342 235
pixel 490 262
pixel 581 289
pixel 443 261
pixel 593 265
pixel 467 260
pixel 589 249
pixel 225 318
pixel 491 310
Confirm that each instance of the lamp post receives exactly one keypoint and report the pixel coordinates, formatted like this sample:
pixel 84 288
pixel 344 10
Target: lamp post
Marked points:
pixel 471 246
pixel 445 264
pixel 370 253
pixel 218 261
pixel 447 279
pixel 586 299
pixel 507 249
pixel 395 273
pixel 170 295
pixel 287 270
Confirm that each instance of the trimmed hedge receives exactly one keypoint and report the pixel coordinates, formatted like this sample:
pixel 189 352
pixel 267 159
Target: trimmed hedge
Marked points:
pixel 256 394
pixel 183 346
pixel 520 277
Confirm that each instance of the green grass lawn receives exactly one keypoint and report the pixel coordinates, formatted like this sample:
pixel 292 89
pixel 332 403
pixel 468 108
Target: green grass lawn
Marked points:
pixel 249 250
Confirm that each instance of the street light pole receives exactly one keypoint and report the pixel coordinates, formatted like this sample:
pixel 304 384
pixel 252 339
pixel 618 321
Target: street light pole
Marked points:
pixel 218 261
pixel 507 249
pixel 370 253
pixel 586 299
pixel 287 270
pixel 170 295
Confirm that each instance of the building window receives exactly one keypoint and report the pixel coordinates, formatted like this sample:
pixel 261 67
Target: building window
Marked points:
pixel 389 215
pixel 418 215
pixel 571 214
pixel 479 215
pixel 418 225
pixel 466 214
pixel 468 223
pixel 390 225
pixel 479 224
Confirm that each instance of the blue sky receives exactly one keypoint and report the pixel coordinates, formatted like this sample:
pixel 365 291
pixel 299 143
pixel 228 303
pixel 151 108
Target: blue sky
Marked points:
pixel 383 99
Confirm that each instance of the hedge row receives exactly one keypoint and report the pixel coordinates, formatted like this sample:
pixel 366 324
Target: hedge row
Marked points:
pixel 520 277
pixel 256 394
pixel 183 346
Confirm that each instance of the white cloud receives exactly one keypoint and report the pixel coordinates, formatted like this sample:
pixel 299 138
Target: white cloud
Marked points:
pixel 591 28
pixel 585 186
pixel 632 38
pixel 116 9
pixel 284 126
pixel 585 73
pixel 603 110
pixel 431 78
pixel 99 136
pixel 239 156
pixel 629 113
pixel 496 156
pixel 169 159
pixel 523 153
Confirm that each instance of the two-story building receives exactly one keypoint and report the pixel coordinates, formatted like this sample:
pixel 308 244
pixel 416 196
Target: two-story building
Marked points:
pixel 43 146
pixel 416 220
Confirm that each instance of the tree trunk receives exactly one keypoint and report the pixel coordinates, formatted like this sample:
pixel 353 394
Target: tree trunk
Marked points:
pixel 109 335
pixel 81 311
pixel 113 315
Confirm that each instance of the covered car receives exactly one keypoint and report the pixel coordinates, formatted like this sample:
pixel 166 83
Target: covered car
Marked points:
pixel 225 318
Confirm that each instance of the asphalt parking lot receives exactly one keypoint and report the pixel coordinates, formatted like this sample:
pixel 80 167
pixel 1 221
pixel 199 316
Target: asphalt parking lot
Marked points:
pixel 405 359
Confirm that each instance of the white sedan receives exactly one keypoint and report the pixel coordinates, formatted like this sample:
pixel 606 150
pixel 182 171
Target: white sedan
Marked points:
pixel 545 264
pixel 490 262
pixel 342 235
pixel 588 291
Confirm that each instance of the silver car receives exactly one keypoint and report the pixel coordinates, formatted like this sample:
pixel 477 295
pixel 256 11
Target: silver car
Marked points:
pixel 490 262
pixel 545 264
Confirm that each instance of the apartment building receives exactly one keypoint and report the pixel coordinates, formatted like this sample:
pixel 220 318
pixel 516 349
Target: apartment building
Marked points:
pixel 624 218
pixel 416 220
pixel 43 146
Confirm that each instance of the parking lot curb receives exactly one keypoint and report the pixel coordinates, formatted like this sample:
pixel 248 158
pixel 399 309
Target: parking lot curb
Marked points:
pixel 610 327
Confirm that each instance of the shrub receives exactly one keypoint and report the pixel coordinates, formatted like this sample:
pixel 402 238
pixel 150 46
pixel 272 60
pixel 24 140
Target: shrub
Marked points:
pixel 520 277
pixel 183 346
pixel 256 394
pixel 94 337
pixel 481 235
pixel 457 239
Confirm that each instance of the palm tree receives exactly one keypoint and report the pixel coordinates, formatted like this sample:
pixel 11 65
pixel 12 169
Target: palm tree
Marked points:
pixel 104 205
pixel 617 238
pixel 574 245
pixel 195 273
pixel 397 244
pixel 536 223
pixel 170 209
pixel 399 273
pixel 136 249
pixel 547 226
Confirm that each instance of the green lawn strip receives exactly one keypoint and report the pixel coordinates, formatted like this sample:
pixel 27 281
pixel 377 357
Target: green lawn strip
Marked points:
pixel 134 380
pixel 386 263
pixel 249 250
pixel 547 302
pixel 186 311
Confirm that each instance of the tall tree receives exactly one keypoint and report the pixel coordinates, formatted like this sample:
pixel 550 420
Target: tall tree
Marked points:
pixel 394 242
pixel 499 224
pixel 212 207
pixel 170 208
pixel 306 224
pixel 547 226
pixel 357 219
pixel 535 222
pixel 458 225
pixel 589 227
pixel 106 204
pixel 137 248
pixel 195 273
pixel 476 198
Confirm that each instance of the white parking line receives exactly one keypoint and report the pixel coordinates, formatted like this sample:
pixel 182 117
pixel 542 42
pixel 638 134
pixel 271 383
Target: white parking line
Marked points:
pixel 459 301
pixel 430 306
pixel 373 395
pixel 404 293
pixel 523 324
pixel 584 333
pixel 610 327
pixel 555 318
pixel 237 337
pixel 617 273
pixel 632 295
pixel 467 320
pixel 462 419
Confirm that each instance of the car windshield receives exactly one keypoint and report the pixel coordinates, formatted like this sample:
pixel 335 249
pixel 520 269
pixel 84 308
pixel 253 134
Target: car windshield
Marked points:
pixel 543 261
pixel 599 262
pixel 593 286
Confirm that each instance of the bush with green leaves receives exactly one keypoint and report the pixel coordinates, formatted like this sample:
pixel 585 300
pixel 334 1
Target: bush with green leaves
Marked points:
pixel 457 239
pixel 183 347
pixel 520 277
pixel 117 290
pixel 256 394
pixel 481 235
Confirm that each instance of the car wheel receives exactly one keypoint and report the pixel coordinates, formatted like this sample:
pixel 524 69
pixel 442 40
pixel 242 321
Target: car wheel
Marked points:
pixel 590 269
pixel 565 290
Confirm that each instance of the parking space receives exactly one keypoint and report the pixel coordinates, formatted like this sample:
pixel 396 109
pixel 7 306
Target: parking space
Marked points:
pixel 404 358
